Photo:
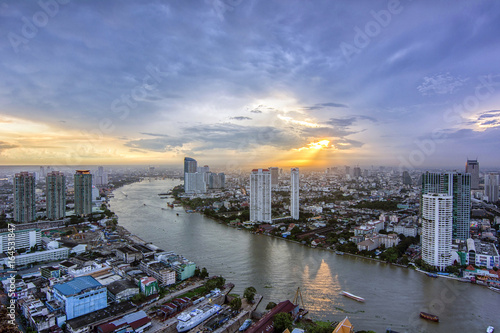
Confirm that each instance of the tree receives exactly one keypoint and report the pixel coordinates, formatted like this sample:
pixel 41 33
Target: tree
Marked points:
pixel 235 304
pixel 282 321
pixel 249 294
pixel 203 273
pixel 270 305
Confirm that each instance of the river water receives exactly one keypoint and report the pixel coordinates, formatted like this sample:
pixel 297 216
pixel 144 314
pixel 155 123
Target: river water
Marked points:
pixel 394 296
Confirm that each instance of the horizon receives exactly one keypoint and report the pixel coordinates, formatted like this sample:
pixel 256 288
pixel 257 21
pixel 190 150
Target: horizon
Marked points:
pixel 250 84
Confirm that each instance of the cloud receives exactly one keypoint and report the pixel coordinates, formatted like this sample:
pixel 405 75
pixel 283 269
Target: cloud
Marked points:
pixel 5 145
pixel 241 118
pixel 441 84
pixel 321 106
pixel 256 111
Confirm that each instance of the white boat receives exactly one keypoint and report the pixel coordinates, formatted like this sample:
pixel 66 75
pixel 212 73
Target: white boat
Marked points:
pixel 490 329
pixel 354 297
pixel 246 324
pixel 189 320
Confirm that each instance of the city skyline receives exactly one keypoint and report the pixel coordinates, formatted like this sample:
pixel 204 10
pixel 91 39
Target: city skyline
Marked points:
pixel 411 84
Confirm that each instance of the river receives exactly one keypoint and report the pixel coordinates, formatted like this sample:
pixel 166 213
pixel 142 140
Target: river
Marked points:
pixel 394 296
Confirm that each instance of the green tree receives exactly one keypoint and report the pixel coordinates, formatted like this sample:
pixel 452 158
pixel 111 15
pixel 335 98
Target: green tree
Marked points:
pixel 249 294
pixel 270 305
pixel 203 273
pixel 235 304
pixel 282 321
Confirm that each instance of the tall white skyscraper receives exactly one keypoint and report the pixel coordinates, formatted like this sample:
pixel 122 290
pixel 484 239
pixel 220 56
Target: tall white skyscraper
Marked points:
pixel 437 224
pixel 195 182
pixel 491 183
pixel 260 195
pixel 101 177
pixel 294 193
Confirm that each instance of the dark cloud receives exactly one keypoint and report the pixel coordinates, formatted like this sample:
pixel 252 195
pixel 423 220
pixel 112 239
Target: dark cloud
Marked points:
pixel 5 145
pixel 241 118
pixel 256 111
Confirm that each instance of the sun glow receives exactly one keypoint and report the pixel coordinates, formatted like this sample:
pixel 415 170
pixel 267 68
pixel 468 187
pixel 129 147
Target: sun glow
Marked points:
pixel 316 145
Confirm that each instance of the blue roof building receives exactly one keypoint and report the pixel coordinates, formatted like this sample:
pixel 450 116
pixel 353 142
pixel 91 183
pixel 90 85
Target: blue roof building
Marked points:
pixel 80 296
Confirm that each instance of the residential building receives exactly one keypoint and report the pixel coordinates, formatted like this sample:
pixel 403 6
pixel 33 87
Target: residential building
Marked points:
pixel 294 195
pixel 472 167
pixel 458 186
pixel 406 178
pixel 149 286
pixel 190 165
pixel 274 176
pixel 195 182
pixel 260 196
pixel 491 182
pixel 83 192
pixel 101 177
pixel 216 180
pixel 39 256
pixel 183 267
pixel 55 184
pixel 24 239
pixel 160 271
pixel 80 296
pixel 437 224
pixel 24 197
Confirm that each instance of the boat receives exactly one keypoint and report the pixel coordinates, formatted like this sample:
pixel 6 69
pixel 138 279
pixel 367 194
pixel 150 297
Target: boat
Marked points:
pixel 490 329
pixel 432 275
pixel 189 320
pixel 246 324
pixel 429 316
pixel 354 297
pixel 340 253
pixel 177 214
pixel 170 205
pixel 497 290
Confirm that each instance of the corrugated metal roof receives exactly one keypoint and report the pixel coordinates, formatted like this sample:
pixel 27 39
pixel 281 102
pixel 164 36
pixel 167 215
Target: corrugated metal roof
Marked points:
pixel 77 285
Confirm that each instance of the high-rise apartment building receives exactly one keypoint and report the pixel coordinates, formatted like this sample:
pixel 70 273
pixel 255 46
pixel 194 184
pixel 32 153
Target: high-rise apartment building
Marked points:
pixel 190 165
pixel 456 185
pixel 437 223
pixel 491 182
pixel 101 177
pixel 472 167
pixel 294 193
pixel 83 192
pixel 195 182
pixel 24 197
pixel 274 176
pixel 260 196
pixel 406 178
pixel 216 180
pixel 55 193
pixel 356 171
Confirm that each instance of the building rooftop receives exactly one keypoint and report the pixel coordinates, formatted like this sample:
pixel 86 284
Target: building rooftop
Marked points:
pixel 99 316
pixel 120 285
pixel 77 285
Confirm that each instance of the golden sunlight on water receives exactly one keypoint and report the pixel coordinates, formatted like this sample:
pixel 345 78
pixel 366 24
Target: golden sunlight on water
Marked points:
pixel 320 284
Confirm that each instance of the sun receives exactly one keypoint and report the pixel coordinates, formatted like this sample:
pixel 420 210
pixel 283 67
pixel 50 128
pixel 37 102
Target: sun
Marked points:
pixel 316 145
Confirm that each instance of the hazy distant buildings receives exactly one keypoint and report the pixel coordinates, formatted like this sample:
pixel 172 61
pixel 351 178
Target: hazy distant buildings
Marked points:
pixel 472 167
pixel 83 192
pixel 274 176
pixel 24 197
pixel 55 185
pixel 260 195
pixel 437 222
pixel 294 193
pixel 456 185
pixel 491 182
pixel 406 178
pixel 101 177
pixel 356 171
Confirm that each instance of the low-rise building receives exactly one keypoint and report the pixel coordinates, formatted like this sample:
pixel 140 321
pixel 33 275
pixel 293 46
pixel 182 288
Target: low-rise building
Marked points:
pixel 160 271
pixel 39 256
pixel 149 286
pixel 135 322
pixel 121 290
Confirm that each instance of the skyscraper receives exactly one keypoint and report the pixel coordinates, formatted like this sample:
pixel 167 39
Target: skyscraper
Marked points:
pixel 437 222
pixel 24 197
pixel 458 186
pixel 406 178
pixel 491 182
pixel 83 192
pixel 190 165
pixel 472 167
pixel 195 182
pixel 55 192
pixel 356 172
pixel 101 177
pixel 294 195
pixel 274 176
pixel 260 195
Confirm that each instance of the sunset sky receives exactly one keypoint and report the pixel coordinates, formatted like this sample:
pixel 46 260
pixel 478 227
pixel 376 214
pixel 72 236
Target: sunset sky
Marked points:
pixel 236 83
